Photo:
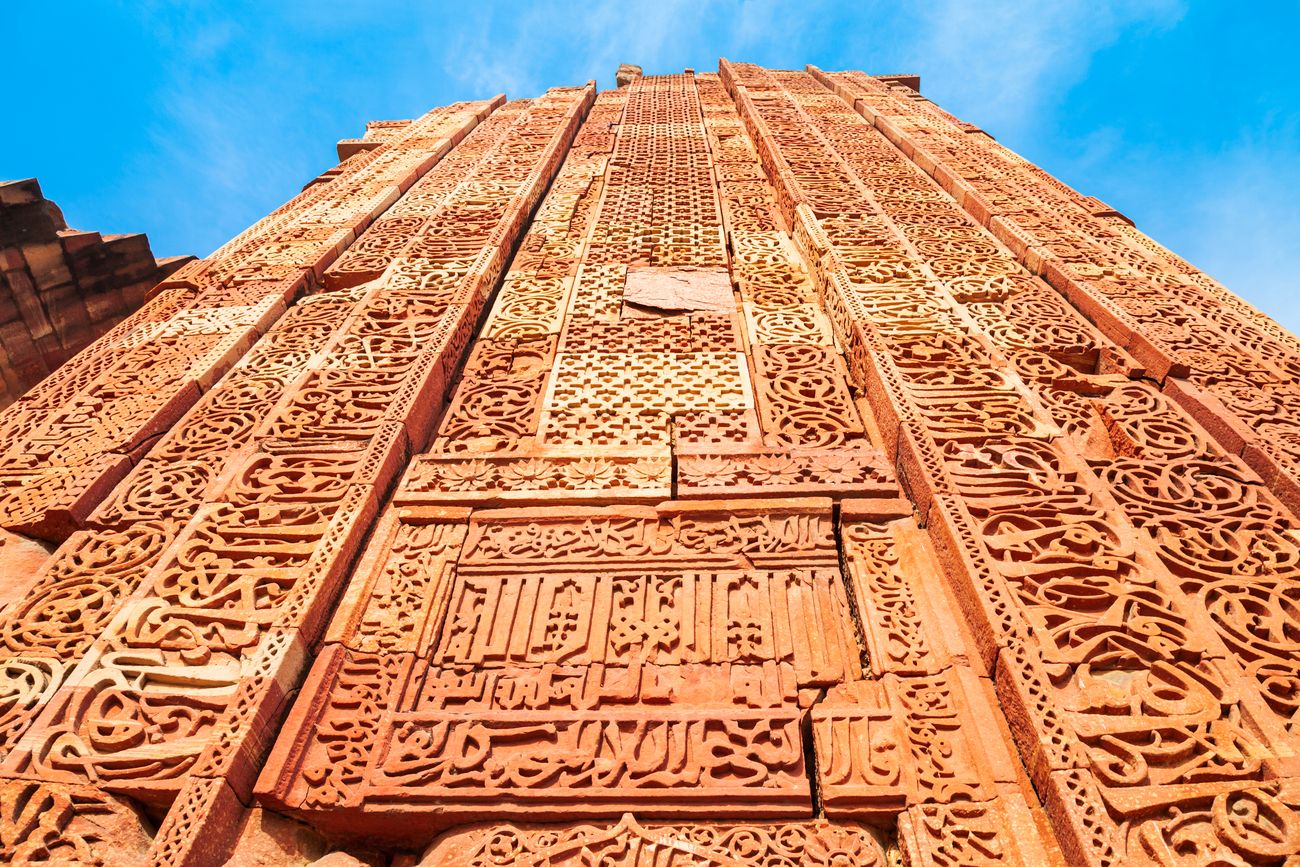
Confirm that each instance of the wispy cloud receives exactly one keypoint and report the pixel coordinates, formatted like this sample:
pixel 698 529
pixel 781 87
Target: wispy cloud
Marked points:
pixel 525 49
pixel 1240 222
pixel 528 48
pixel 999 65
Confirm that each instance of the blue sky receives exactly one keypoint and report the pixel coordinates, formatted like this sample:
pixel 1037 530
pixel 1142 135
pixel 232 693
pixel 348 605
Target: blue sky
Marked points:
pixel 189 121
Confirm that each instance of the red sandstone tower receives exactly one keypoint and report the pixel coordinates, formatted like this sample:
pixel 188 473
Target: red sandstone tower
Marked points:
pixel 751 468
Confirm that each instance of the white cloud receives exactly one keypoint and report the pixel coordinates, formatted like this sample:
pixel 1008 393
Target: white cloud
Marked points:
pixel 1229 210
pixel 999 65
pixel 526 49
pixel 1242 226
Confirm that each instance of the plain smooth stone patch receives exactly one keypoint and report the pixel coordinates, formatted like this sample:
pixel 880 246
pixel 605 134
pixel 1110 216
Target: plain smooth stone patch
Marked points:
pixel 654 292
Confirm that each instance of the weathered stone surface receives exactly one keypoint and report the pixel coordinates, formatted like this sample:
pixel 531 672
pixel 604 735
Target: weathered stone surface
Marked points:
pixel 43 823
pixel 628 842
pixel 61 288
pixel 626 74
pixel 765 455
pixel 21 560
pixel 268 839
pixel 661 291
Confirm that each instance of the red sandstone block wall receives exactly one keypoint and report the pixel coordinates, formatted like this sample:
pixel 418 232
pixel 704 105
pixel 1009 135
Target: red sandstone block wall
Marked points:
pixel 61 288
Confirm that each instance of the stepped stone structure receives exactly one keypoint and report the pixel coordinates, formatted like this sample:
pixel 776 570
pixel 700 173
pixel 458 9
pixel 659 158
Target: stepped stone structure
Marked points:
pixel 741 468
pixel 61 288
